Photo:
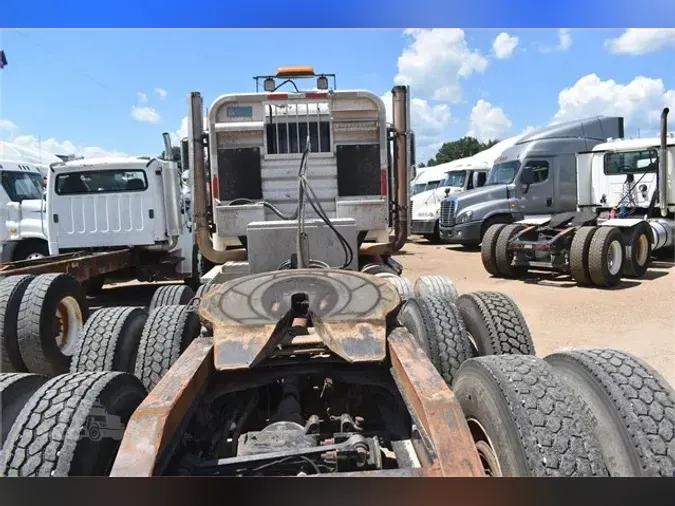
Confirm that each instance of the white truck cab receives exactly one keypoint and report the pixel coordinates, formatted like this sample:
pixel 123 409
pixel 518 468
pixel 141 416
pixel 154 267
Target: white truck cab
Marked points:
pixel 108 203
pixel 22 227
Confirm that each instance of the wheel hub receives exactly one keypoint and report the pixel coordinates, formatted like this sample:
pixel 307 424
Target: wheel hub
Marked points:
pixel 67 325
pixel 614 257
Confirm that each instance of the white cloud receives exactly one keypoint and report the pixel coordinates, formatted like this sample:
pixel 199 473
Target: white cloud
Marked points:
pixel 564 42
pixel 564 39
pixel 7 125
pixel 144 114
pixel 640 101
pixel 504 45
pixel 64 147
pixel 142 98
pixel 637 41
pixel 160 91
pixel 487 122
pixel 428 121
pixel 435 60
pixel 178 135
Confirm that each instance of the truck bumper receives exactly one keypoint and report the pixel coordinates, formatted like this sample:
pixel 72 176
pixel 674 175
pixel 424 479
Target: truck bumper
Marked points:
pixel 466 233
pixel 423 227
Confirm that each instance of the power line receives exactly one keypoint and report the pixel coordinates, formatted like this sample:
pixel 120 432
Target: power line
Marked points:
pixel 35 42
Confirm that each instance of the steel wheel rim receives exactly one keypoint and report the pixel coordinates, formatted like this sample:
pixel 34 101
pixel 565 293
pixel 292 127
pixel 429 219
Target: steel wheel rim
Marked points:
pixel 485 448
pixel 69 324
pixel 35 256
pixel 642 248
pixel 614 257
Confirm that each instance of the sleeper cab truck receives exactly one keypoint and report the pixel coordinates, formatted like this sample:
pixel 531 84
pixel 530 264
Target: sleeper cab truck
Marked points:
pixel 549 155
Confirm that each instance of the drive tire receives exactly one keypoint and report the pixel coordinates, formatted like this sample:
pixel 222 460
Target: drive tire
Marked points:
pixel 437 326
pixel 634 407
pixel 46 438
pixel 15 390
pixel 495 324
pixel 167 333
pixel 435 286
pixel 526 421
pixel 45 297
pixel 504 257
pixel 110 340
pixel 581 244
pixel 488 247
pixel 604 241
pixel 638 252
pixel 171 295
pixel 12 290
pixel 403 286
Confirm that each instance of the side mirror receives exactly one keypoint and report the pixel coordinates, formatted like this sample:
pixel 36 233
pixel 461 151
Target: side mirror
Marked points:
pixel 447 192
pixel 527 178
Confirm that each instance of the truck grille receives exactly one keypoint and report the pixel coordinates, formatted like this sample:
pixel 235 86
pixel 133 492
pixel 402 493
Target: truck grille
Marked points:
pixel 447 213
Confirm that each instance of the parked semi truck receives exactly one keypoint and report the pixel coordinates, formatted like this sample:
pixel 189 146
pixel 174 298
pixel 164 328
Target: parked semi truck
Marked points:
pixel 626 206
pixel 23 228
pixel 549 154
pixel 451 178
pixel 113 219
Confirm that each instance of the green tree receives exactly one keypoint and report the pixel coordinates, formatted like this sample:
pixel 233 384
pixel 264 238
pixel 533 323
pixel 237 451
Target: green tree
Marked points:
pixel 461 148
pixel 175 154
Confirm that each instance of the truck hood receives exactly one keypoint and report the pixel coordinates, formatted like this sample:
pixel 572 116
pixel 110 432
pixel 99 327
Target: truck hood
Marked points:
pixel 479 195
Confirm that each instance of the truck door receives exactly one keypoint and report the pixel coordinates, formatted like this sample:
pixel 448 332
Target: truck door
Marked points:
pixel 540 197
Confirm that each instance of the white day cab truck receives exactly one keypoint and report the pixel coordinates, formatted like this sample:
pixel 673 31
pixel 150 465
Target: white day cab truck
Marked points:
pixel 114 219
pixel 23 229
pixel 452 178
pixel 626 206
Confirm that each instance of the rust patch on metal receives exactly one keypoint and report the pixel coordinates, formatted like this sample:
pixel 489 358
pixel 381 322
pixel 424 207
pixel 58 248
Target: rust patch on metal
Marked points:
pixel 435 406
pixel 156 420
pixel 251 315
pixel 80 265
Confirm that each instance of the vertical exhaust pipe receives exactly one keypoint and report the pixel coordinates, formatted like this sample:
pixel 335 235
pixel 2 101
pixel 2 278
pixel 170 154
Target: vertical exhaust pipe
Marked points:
pixel 663 164
pixel 170 178
pixel 401 185
pixel 201 202
pixel 402 159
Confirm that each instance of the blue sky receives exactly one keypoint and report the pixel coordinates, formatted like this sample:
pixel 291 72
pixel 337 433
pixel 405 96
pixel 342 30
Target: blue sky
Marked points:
pixel 75 90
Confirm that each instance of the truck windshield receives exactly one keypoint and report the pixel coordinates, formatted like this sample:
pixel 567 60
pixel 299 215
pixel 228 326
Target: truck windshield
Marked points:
pixel 456 178
pixel 646 160
pixel 503 173
pixel 22 185
pixel 423 187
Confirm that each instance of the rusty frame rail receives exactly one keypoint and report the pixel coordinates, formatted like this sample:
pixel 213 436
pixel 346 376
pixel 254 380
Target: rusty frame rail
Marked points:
pixel 80 265
pixel 450 450
pixel 158 418
pixel 435 408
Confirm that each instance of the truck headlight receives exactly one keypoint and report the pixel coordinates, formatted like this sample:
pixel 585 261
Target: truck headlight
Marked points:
pixel 464 217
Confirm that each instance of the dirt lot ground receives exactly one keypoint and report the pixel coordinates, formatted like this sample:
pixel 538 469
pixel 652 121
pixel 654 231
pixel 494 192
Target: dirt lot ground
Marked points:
pixel 636 316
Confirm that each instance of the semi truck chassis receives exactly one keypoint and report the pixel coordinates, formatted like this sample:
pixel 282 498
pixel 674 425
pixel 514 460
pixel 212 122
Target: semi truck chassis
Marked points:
pixel 594 252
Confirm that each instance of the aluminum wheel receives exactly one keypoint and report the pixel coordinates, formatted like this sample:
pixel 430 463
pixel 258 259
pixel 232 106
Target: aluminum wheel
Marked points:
pixel 614 257
pixel 642 250
pixel 486 451
pixel 35 256
pixel 69 322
